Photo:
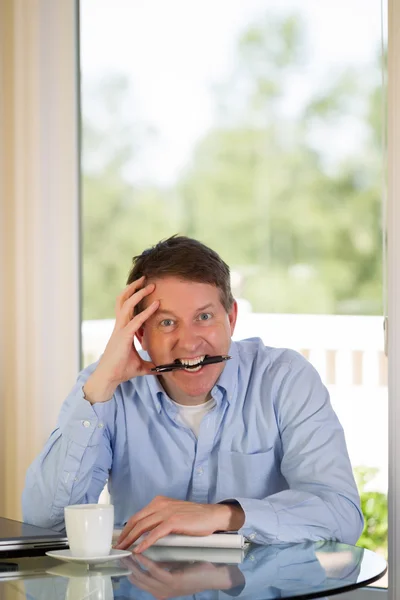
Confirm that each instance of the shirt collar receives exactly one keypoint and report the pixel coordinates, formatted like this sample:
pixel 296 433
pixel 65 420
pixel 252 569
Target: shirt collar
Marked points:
pixel 227 381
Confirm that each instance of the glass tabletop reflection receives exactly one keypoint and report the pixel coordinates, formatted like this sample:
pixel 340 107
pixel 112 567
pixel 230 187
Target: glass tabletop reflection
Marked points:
pixel 308 570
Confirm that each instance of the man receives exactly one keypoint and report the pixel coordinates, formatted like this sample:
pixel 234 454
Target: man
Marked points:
pixel 250 444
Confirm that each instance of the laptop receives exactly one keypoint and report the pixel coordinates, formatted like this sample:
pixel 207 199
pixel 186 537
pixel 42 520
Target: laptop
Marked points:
pixel 21 539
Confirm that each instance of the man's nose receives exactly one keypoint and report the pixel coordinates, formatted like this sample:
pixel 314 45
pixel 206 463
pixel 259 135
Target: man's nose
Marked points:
pixel 189 338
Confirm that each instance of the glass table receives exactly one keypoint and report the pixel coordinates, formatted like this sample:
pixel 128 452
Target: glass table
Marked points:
pixel 309 570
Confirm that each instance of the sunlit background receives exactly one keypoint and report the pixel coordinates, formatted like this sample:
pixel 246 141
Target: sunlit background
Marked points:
pixel 255 127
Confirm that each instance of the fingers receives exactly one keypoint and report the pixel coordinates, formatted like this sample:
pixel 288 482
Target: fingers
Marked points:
pixel 141 514
pixel 148 366
pixel 138 321
pixel 143 526
pixel 125 313
pixel 157 519
pixel 163 529
pixel 128 291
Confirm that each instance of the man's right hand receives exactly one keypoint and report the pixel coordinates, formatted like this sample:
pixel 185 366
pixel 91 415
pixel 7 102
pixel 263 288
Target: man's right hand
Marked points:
pixel 121 361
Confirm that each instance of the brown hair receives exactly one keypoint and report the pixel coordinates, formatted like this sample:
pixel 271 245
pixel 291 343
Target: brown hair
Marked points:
pixel 185 258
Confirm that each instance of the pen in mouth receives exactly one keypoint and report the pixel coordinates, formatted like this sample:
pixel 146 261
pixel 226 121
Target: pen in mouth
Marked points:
pixel 208 360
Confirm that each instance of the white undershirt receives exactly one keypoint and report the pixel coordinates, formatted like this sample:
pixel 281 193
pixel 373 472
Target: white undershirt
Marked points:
pixel 192 416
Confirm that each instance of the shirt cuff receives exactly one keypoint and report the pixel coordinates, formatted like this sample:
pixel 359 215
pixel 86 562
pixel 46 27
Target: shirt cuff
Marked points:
pixel 85 425
pixel 261 522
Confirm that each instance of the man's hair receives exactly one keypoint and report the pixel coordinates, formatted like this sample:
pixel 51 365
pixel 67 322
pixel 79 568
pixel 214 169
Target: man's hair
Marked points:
pixel 185 258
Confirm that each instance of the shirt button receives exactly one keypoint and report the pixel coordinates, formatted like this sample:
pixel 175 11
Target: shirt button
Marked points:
pixel 86 423
pixel 200 471
pixel 100 425
pixel 252 536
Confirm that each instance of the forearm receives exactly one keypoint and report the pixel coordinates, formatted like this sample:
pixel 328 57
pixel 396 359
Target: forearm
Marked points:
pixel 98 389
pixel 55 480
pixel 294 516
pixel 71 469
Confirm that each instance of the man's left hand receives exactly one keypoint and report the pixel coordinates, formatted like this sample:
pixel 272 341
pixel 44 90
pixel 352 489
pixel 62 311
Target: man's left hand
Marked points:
pixel 166 515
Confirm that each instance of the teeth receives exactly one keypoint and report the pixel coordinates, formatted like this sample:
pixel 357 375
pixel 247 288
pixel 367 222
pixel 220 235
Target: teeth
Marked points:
pixel 193 369
pixel 189 362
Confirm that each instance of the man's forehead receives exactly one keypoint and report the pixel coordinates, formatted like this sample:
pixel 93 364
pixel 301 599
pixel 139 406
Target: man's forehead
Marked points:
pixel 172 286
pixel 179 295
pixel 164 310
pixel 171 280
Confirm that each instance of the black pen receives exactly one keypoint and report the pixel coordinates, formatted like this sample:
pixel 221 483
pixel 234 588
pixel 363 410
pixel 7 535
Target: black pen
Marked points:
pixel 208 360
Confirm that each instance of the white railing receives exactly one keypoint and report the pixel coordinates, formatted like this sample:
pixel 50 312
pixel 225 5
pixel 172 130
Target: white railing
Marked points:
pixel 347 351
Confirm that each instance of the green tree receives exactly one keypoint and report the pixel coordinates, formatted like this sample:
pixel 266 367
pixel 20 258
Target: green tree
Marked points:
pixel 303 233
pixel 374 508
pixel 119 219
pixel 307 234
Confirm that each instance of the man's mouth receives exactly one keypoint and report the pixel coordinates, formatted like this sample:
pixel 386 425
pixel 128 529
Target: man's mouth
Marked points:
pixel 191 364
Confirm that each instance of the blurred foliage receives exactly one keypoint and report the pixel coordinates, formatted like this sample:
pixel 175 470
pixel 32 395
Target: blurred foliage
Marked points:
pixel 301 231
pixel 375 511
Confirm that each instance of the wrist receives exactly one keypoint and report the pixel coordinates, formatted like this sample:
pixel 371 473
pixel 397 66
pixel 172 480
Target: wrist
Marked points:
pixel 97 389
pixel 232 516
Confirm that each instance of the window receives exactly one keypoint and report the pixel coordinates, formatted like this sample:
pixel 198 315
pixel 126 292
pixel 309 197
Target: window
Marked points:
pixel 258 122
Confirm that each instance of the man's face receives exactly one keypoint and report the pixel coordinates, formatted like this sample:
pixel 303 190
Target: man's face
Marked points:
pixel 190 323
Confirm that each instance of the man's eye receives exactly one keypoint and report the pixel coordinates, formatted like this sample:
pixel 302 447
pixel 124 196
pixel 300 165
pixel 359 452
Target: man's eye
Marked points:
pixel 205 316
pixel 167 322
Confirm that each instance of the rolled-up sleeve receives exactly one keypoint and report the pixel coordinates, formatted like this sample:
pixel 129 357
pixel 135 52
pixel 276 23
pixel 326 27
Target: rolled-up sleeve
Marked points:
pixel 74 464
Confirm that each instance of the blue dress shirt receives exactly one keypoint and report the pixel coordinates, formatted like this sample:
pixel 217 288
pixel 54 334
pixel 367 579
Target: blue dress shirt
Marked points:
pixel 272 443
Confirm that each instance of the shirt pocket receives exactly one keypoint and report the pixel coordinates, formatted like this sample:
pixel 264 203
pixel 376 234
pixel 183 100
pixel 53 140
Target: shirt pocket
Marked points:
pixel 245 475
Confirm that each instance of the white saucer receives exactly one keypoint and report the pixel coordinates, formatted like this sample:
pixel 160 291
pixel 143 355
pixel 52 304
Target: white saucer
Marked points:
pixel 66 555
pixel 79 570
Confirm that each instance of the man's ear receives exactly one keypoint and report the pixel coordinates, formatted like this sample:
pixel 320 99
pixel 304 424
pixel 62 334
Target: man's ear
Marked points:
pixel 232 316
pixel 140 336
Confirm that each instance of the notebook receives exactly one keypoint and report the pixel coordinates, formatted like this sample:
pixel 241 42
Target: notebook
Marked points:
pixel 215 540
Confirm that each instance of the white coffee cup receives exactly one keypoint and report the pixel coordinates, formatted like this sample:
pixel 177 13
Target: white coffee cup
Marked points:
pixel 89 529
